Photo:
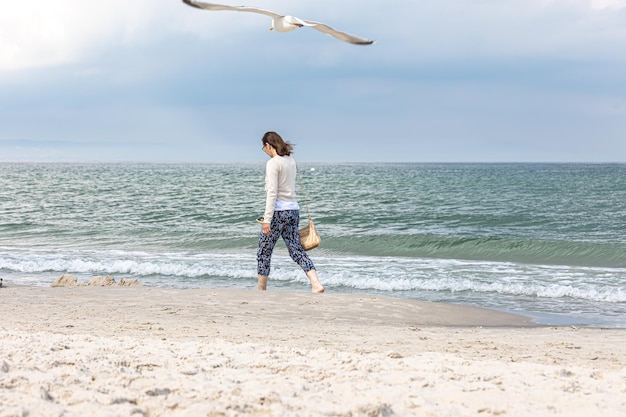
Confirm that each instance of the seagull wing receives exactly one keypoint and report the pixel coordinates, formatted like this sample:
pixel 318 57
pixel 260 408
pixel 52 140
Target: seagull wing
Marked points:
pixel 212 6
pixel 342 36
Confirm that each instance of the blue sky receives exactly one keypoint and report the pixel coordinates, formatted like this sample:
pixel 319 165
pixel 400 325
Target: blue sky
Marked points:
pixel 447 81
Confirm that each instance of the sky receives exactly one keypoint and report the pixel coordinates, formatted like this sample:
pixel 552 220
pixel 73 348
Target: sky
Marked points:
pixel 446 81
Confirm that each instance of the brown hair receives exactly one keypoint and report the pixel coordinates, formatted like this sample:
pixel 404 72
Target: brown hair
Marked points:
pixel 282 148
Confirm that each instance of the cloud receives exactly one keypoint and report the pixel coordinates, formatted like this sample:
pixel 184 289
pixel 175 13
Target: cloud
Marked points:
pixel 41 33
pixel 458 29
pixel 608 4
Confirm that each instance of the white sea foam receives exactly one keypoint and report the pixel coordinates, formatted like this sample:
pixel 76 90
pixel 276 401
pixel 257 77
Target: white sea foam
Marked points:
pixel 361 273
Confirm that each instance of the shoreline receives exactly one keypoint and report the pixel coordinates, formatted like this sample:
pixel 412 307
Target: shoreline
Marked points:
pixel 355 308
pixel 169 352
pixel 539 318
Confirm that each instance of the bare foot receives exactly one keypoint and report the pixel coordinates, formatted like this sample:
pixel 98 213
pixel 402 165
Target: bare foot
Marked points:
pixel 315 282
pixel 317 289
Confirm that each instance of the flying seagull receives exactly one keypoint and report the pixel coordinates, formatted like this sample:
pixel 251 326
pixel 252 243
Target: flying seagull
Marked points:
pixel 284 23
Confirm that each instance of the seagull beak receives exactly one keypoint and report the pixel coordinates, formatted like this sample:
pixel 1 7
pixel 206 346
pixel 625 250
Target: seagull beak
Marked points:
pixel 271 27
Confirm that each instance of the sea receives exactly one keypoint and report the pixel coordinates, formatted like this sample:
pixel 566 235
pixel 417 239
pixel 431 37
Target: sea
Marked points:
pixel 547 241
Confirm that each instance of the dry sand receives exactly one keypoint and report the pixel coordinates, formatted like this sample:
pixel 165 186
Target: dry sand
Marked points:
pixel 136 351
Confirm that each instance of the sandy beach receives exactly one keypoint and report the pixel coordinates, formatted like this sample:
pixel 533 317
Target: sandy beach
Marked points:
pixel 138 351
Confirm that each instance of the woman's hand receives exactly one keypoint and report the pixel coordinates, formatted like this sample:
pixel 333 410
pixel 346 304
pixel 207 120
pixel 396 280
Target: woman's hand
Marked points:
pixel 266 228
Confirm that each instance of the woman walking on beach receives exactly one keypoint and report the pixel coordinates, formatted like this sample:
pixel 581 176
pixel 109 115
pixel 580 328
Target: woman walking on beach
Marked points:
pixel 282 216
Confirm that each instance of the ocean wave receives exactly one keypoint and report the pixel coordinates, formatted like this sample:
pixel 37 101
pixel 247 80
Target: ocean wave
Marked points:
pixel 488 248
pixel 457 277
pixel 393 275
pixel 538 290
pixel 133 264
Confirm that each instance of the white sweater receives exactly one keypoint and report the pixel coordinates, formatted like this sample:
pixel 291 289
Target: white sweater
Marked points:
pixel 280 184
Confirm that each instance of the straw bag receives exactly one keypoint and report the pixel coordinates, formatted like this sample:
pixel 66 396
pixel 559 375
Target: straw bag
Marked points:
pixel 309 237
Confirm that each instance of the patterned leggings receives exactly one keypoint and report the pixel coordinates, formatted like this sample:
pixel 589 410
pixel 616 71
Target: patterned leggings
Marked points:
pixel 284 223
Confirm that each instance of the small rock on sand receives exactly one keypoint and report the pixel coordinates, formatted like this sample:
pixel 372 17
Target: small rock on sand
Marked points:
pixel 67 280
